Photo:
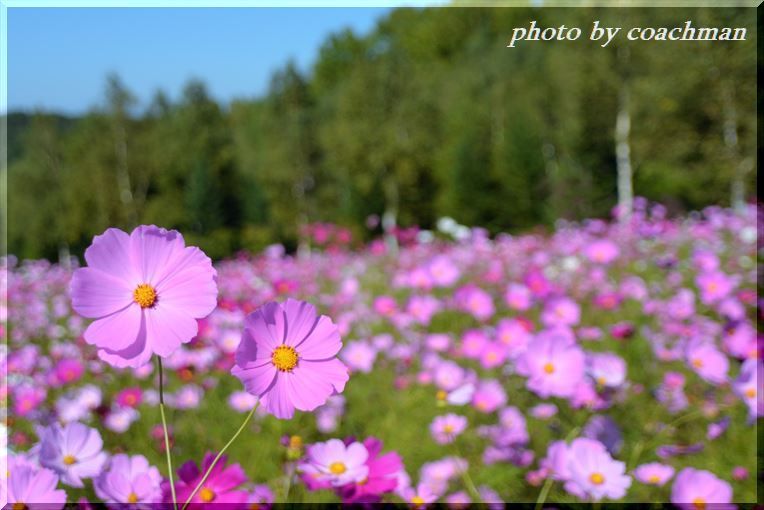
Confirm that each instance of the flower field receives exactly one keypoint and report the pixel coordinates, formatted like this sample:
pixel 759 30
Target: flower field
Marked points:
pixel 605 361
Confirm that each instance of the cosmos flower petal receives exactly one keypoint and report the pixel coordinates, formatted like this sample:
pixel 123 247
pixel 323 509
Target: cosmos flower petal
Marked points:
pixel 116 331
pixel 153 252
pixel 97 294
pixel 277 400
pixel 323 343
pixel 301 318
pixel 256 379
pixel 169 327
pixel 110 253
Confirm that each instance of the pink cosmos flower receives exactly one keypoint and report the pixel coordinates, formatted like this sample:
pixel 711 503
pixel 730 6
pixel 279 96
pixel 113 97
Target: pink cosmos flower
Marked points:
pixel 561 312
pixel 359 355
pixel 602 251
pixel 607 369
pixel 543 411
pixel 654 473
pixel 129 480
pixel 29 486
pixel 553 365
pixel 713 286
pixel 382 477
pixel 27 398
pixel 129 397
pixel 594 472
pixel 473 343
pixel 68 371
pixel 422 308
pixel 476 301
pixel 749 386
pixel 696 488
pixel 73 451
pixel 260 497
pixel 512 334
pixel 220 486
pixel 146 290
pixel 443 271
pixel 493 355
pixel 336 463
pixel 444 429
pixel 385 305
pixel 489 396
pixel 287 357
pixel 707 361
pixel 555 464
pixel 419 496
pixel 518 297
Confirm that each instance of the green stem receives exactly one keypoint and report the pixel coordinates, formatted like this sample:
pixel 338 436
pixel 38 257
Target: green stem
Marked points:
pixel 549 481
pixel 468 483
pixel 166 435
pixel 220 454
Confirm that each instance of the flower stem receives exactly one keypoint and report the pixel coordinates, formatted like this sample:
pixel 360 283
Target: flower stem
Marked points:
pixel 220 454
pixel 467 479
pixel 549 481
pixel 166 435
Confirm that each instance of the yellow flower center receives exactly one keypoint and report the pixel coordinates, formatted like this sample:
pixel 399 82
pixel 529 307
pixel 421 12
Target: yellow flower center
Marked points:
pixel 549 368
pixel 597 478
pixel 295 442
pixel 206 495
pixel 750 392
pixel 19 506
pixel 417 501
pixel 132 498
pixel 697 363
pixel 284 358
pixel 654 479
pixel 441 395
pixel 337 468
pixel 69 460
pixel 448 429
pixel 699 503
pixel 145 295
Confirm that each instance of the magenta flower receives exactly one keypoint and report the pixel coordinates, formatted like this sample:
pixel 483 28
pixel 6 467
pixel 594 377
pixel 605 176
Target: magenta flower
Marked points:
pixel 68 371
pixel 713 286
pixel 607 369
pixel 518 297
pixel 654 473
pixel 287 357
pixel 594 472
pixel 553 365
pixel 129 480
pixel 602 251
pixel 444 429
pixel 561 312
pixel 696 488
pixel 73 451
pixel 129 397
pixel 489 396
pixel 359 356
pixel 419 497
pixel 220 486
pixel 336 463
pixel 749 386
pixel 382 476
pixel 29 486
pixel 707 361
pixel 146 290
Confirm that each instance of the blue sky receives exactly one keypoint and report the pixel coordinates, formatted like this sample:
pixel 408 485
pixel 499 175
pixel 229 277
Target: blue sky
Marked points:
pixel 58 58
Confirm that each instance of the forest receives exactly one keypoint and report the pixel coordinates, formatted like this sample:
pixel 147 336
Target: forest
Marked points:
pixel 428 115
